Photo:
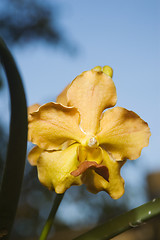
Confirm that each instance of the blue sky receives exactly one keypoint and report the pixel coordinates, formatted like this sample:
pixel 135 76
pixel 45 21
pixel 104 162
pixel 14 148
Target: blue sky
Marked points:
pixel 123 34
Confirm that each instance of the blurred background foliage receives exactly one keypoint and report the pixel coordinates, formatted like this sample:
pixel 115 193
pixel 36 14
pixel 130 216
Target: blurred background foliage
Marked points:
pixel 24 22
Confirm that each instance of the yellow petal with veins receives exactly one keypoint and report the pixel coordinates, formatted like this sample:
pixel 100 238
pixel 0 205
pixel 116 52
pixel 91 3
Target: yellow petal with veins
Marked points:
pixel 91 92
pixel 96 183
pixel 54 169
pixel 52 125
pixel 123 133
pixel 34 154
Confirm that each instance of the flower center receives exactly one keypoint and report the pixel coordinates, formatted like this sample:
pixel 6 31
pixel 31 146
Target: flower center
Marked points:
pixel 90 141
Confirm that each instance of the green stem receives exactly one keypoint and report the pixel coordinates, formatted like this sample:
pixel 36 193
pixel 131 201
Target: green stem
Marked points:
pixel 119 224
pixel 51 216
pixel 16 152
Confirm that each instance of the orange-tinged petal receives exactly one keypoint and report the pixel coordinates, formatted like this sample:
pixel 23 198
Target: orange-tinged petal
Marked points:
pixel 54 169
pixel 123 133
pixel 91 92
pixel 34 154
pixel 115 184
pixel 52 125
pixel 62 97
pixel 33 108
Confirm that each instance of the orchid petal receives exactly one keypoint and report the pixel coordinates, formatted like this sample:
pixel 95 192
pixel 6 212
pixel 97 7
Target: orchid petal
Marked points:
pixel 62 97
pixel 33 108
pixel 52 125
pixel 96 182
pixel 123 133
pixel 91 92
pixel 34 154
pixel 54 169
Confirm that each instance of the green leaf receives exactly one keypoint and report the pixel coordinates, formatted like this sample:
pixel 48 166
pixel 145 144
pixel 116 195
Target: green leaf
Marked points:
pixel 16 153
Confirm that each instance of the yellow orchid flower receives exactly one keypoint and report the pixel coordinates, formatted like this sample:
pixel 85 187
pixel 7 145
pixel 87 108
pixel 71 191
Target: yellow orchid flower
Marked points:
pixel 79 143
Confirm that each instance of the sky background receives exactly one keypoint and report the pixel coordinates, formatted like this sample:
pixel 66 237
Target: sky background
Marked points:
pixel 122 34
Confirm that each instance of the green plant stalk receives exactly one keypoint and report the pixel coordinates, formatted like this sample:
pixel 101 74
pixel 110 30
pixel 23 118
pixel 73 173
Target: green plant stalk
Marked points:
pixel 51 216
pixel 126 221
pixel 16 152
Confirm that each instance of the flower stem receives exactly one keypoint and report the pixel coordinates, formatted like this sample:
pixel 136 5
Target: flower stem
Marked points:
pixel 51 216
pixel 126 221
